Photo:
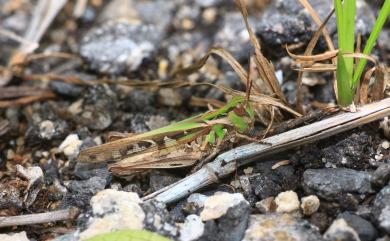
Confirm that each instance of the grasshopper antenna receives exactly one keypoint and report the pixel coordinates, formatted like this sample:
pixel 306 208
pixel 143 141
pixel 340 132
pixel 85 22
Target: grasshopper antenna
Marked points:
pixel 248 81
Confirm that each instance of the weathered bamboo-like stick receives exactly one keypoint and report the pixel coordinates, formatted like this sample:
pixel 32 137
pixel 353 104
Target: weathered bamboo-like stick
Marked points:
pixel 36 218
pixel 227 162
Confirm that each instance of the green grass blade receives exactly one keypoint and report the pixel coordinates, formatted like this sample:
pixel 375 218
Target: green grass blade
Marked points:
pixel 349 13
pixel 383 14
pixel 345 93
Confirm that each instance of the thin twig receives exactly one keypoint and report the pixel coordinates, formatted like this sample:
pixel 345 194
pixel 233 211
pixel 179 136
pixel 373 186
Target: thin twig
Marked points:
pixel 226 163
pixel 47 217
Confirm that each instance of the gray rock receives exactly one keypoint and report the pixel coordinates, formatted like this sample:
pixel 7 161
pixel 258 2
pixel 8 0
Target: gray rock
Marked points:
pixel 97 109
pixel 330 184
pixel 157 219
pixel 46 131
pixel 381 209
pixel 265 187
pixel 341 231
pixel 10 196
pixel 114 210
pixel 66 89
pixel 45 126
pixel 91 186
pixel 80 192
pixel 117 46
pixel 381 175
pixel 88 170
pixel 229 227
pixel 286 22
pixel 226 216
pixel 364 228
pixel 267 227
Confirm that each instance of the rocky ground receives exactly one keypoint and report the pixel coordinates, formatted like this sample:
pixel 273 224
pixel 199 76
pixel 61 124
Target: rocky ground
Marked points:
pixel 335 189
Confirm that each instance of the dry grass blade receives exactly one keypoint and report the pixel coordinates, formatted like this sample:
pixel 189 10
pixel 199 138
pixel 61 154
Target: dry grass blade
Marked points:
pixel 377 92
pixel 265 69
pixel 26 100
pixel 21 91
pixel 364 88
pixel 224 55
pixel 318 21
pixel 309 49
pixel 318 67
pixel 314 58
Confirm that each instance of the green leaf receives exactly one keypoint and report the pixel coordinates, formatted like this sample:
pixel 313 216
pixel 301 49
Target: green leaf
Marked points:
pixel 383 14
pixel 238 122
pixel 210 138
pixel 129 235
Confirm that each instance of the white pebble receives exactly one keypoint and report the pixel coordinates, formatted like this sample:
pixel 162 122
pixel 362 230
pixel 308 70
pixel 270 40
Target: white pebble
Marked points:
pixel 385 145
pixel 287 202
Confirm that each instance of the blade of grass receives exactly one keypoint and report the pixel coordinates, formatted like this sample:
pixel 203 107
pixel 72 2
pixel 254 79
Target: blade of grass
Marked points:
pixel 383 14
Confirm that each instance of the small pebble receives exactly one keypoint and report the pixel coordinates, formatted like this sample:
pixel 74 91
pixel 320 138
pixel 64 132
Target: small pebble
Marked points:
pixel 14 237
pixel 287 202
pixel 248 170
pixel 192 228
pixel 266 205
pixel 71 146
pixel 385 145
pixel 218 204
pixel 310 204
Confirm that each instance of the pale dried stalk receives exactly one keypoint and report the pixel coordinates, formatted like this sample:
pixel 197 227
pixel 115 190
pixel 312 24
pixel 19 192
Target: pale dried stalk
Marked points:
pixel 37 218
pixel 226 163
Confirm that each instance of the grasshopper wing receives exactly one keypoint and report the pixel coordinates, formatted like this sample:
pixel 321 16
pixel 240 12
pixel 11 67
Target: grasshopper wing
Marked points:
pixel 170 157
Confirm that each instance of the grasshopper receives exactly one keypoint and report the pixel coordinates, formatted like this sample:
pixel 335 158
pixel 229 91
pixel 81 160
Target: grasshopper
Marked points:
pixel 179 144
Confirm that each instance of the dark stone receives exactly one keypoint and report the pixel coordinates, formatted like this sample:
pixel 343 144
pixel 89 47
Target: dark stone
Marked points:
pixel 98 108
pixel 331 183
pixel 66 89
pixel 270 182
pixel 381 176
pixel 230 227
pixel 80 192
pixel 381 209
pixel 351 152
pixel 320 220
pixel 265 187
pixel 157 219
pixel 364 228
pixel 10 196
pixel 86 171
pixel 45 127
